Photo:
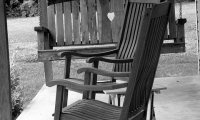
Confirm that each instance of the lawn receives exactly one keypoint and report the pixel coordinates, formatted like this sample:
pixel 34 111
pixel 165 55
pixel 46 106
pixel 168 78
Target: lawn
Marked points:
pixel 23 51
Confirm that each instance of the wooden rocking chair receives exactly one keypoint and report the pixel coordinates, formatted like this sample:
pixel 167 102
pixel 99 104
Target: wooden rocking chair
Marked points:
pixel 127 41
pixel 146 56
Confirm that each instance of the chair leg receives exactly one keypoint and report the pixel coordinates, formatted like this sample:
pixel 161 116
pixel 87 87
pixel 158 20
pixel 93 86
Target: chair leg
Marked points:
pixel 87 80
pixel 110 100
pixel 94 79
pixel 94 82
pixel 152 111
pixel 59 102
pixel 65 97
pixel 119 99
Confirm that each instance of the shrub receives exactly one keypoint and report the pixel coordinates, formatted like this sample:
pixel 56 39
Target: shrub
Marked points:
pixel 13 8
pixel 21 8
pixel 29 8
pixel 16 90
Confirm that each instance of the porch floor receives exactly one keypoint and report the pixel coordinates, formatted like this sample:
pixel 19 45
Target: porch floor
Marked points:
pixel 181 100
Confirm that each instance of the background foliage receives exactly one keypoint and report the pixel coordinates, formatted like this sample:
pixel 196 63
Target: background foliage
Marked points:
pixel 28 8
pixel 17 96
pixel 21 8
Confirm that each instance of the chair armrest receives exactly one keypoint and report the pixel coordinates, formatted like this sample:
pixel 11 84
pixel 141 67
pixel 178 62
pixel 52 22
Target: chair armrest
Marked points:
pixel 93 59
pixel 157 90
pixel 71 53
pixel 41 29
pixel 103 72
pixel 122 91
pixel 75 84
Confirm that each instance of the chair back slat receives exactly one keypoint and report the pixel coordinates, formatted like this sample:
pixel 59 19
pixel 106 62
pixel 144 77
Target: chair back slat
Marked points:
pixel 129 34
pixel 68 23
pixel 124 31
pixel 130 42
pixel 59 24
pixel 146 57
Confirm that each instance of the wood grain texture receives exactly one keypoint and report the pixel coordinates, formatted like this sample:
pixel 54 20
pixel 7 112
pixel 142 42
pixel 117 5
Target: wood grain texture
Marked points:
pixel 146 55
pixel 198 31
pixel 48 71
pixel 59 101
pixel 68 23
pixel 5 99
pixel 42 38
pixel 92 21
pixel 43 13
pixel 84 22
pixel 44 55
pixel 172 21
pixel 76 22
pixel 105 28
pixel 51 23
pixel 146 1
pixel 117 7
pixel 59 23
pixel 180 33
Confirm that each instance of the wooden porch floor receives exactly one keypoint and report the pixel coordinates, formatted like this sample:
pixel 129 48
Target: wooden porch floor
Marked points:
pixel 181 100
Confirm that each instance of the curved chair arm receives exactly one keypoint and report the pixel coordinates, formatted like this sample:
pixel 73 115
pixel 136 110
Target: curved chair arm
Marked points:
pixel 72 53
pixel 93 59
pixel 103 72
pixel 79 86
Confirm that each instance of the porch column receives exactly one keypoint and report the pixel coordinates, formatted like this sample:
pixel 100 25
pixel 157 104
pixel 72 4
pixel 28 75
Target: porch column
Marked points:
pixel 198 31
pixel 5 99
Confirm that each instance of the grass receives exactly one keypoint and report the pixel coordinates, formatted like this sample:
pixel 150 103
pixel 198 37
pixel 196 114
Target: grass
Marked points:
pixel 23 48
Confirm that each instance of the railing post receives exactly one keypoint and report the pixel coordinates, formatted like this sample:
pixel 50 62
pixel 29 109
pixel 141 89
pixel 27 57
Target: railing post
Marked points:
pixel 172 21
pixel 5 93
pixel 198 31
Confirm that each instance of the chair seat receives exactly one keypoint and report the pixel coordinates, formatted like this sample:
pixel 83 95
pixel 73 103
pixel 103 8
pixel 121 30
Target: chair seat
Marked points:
pixel 90 110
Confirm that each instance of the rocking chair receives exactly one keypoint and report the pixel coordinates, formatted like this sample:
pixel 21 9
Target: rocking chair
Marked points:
pixel 144 63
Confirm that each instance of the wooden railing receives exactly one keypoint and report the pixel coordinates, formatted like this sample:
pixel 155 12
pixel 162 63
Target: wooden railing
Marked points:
pixel 81 24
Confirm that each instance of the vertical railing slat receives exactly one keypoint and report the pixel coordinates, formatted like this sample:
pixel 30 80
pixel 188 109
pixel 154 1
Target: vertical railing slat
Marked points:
pixel 99 21
pixel 76 22
pixel 51 23
pixel 68 23
pixel 59 24
pixel 198 32
pixel 104 22
pixel 92 21
pixel 117 7
pixel 84 22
